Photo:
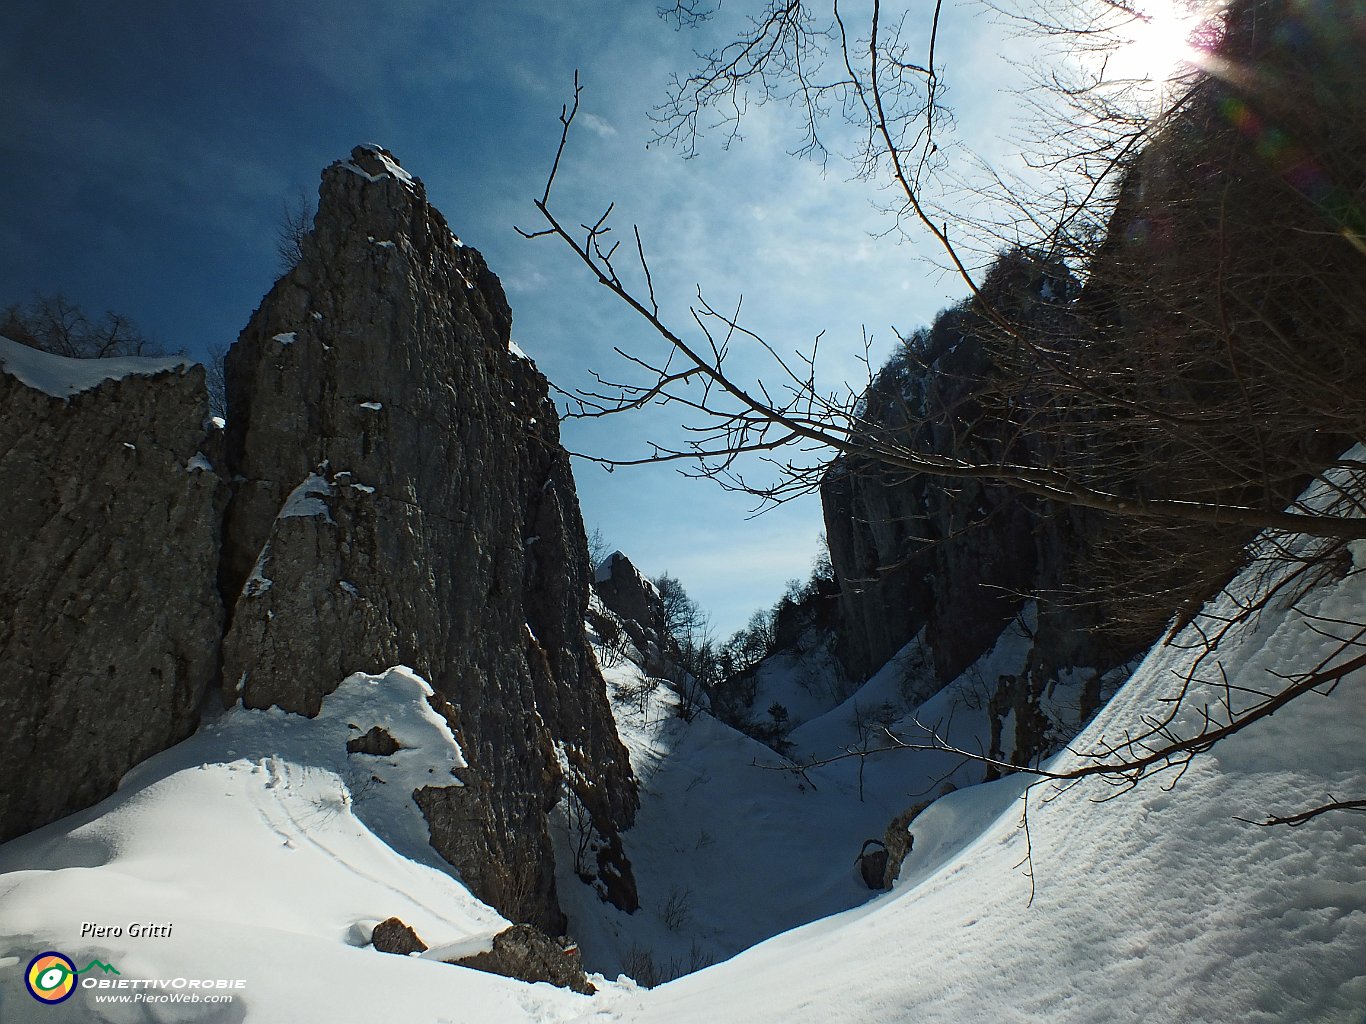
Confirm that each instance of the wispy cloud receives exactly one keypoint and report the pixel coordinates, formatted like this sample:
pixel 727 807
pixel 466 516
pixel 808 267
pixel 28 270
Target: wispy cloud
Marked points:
pixel 597 124
pixel 144 130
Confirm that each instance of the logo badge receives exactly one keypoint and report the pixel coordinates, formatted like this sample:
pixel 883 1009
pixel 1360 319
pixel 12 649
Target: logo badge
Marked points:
pixel 51 977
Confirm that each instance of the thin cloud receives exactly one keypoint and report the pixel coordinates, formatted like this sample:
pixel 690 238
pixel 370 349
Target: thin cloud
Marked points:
pixel 598 125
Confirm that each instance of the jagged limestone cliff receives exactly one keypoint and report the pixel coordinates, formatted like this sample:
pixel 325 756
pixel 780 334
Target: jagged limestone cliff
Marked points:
pixel 401 497
pixel 1215 356
pixel 109 615
pixel 954 560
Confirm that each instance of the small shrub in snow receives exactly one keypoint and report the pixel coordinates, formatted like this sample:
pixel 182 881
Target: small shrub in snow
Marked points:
pixel 635 694
pixel 578 823
pixel 640 964
pixel 676 911
pixel 612 641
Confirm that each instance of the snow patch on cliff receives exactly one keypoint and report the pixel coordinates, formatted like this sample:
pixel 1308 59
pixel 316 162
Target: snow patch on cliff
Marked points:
pixel 62 377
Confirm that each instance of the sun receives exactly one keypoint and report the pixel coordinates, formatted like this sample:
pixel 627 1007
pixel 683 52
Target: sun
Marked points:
pixel 1160 41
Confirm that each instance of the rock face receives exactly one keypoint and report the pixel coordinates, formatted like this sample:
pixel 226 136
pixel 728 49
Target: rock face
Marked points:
pixel 955 558
pixel 954 561
pixel 626 593
pixel 1191 368
pixel 109 612
pixel 526 953
pixel 402 498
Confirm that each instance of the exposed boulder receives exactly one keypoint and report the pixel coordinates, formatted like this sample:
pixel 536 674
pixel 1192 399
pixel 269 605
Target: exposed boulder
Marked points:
pixel 872 863
pixel 531 955
pixel 898 840
pixel 393 936
pixel 403 499
pixel 109 612
pixel 378 742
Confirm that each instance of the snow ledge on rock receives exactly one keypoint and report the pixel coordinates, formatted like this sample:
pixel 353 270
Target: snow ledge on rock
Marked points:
pixel 61 376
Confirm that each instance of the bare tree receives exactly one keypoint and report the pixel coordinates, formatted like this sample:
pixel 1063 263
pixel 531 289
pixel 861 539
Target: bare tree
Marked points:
pixel 1212 364
pixel 54 324
pixel 684 619
pixel 793 415
pixel 296 223
pixel 580 835
pixel 688 628
pixel 215 381
pixel 613 640
pixel 599 547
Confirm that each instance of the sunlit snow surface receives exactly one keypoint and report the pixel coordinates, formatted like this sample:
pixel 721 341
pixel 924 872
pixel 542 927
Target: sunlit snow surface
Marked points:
pixel 257 840
pixel 1157 905
pixel 273 852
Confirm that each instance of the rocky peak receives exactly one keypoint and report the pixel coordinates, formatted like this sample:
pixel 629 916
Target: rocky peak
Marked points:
pixel 399 497
pixel 374 162
pixel 402 498
pixel 638 609
pixel 625 591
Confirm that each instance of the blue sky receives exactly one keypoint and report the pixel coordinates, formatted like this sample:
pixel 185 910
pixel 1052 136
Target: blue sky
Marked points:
pixel 149 146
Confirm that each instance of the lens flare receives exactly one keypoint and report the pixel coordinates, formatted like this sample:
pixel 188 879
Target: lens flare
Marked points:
pixel 1164 38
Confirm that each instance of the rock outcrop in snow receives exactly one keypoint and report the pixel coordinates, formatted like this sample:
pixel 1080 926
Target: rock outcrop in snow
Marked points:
pixel 402 498
pixel 523 952
pixel 639 612
pixel 109 612
pixel 393 936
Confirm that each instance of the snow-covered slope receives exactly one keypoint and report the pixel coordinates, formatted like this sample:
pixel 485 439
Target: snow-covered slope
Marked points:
pixel 725 853
pixel 731 847
pixel 259 842
pixel 271 853
pixel 1156 904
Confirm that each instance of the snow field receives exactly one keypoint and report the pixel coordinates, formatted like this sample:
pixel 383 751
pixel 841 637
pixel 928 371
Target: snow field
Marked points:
pixel 272 853
pixel 259 840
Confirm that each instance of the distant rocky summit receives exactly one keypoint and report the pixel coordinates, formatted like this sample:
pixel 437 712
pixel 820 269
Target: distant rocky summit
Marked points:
pixel 637 610
pixel 398 495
